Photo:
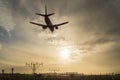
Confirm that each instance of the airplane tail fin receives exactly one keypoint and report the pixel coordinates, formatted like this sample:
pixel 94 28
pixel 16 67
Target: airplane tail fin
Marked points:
pixel 45 7
pixel 46 13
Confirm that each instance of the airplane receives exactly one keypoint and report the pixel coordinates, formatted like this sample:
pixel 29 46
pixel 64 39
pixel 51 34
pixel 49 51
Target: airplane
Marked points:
pixel 47 20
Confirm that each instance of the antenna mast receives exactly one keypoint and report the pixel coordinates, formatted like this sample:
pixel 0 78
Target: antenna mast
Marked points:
pixel 34 66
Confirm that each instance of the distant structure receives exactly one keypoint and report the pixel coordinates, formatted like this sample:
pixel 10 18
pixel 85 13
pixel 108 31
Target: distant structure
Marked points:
pixel 54 70
pixel 34 66
pixel 12 69
pixel 3 71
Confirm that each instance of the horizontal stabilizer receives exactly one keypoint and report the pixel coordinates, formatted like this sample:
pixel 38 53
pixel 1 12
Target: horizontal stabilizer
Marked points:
pixel 56 25
pixel 40 14
pixel 50 14
pixel 44 15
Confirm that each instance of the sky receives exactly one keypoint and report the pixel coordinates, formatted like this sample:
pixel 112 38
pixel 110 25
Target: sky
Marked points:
pixel 90 43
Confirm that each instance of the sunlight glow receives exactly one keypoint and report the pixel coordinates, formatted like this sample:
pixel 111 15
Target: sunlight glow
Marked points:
pixel 65 54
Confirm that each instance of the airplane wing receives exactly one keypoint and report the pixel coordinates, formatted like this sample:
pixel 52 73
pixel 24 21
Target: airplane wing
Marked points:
pixel 43 26
pixel 38 24
pixel 56 25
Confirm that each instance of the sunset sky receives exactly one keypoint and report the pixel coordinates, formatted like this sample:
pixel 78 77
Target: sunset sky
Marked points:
pixel 90 43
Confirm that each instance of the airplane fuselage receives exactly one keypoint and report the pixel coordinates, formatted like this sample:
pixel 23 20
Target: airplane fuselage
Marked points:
pixel 49 23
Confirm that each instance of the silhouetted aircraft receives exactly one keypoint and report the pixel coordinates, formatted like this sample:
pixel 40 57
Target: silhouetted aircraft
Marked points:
pixel 48 21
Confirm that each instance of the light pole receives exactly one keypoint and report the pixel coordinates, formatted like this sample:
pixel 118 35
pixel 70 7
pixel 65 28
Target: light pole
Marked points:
pixel 12 69
pixel 3 71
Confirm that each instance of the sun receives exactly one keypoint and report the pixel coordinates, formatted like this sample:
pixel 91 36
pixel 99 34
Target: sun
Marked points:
pixel 65 54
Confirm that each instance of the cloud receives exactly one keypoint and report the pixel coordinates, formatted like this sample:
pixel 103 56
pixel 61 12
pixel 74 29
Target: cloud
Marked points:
pixel 0 46
pixel 103 17
pixel 56 40
pixel 93 28
pixel 6 19
pixel 4 35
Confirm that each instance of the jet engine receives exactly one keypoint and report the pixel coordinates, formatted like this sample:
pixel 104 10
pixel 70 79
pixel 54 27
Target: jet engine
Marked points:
pixel 44 27
pixel 56 27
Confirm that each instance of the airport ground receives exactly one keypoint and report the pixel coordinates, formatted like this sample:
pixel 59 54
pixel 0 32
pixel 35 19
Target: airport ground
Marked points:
pixel 54 76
